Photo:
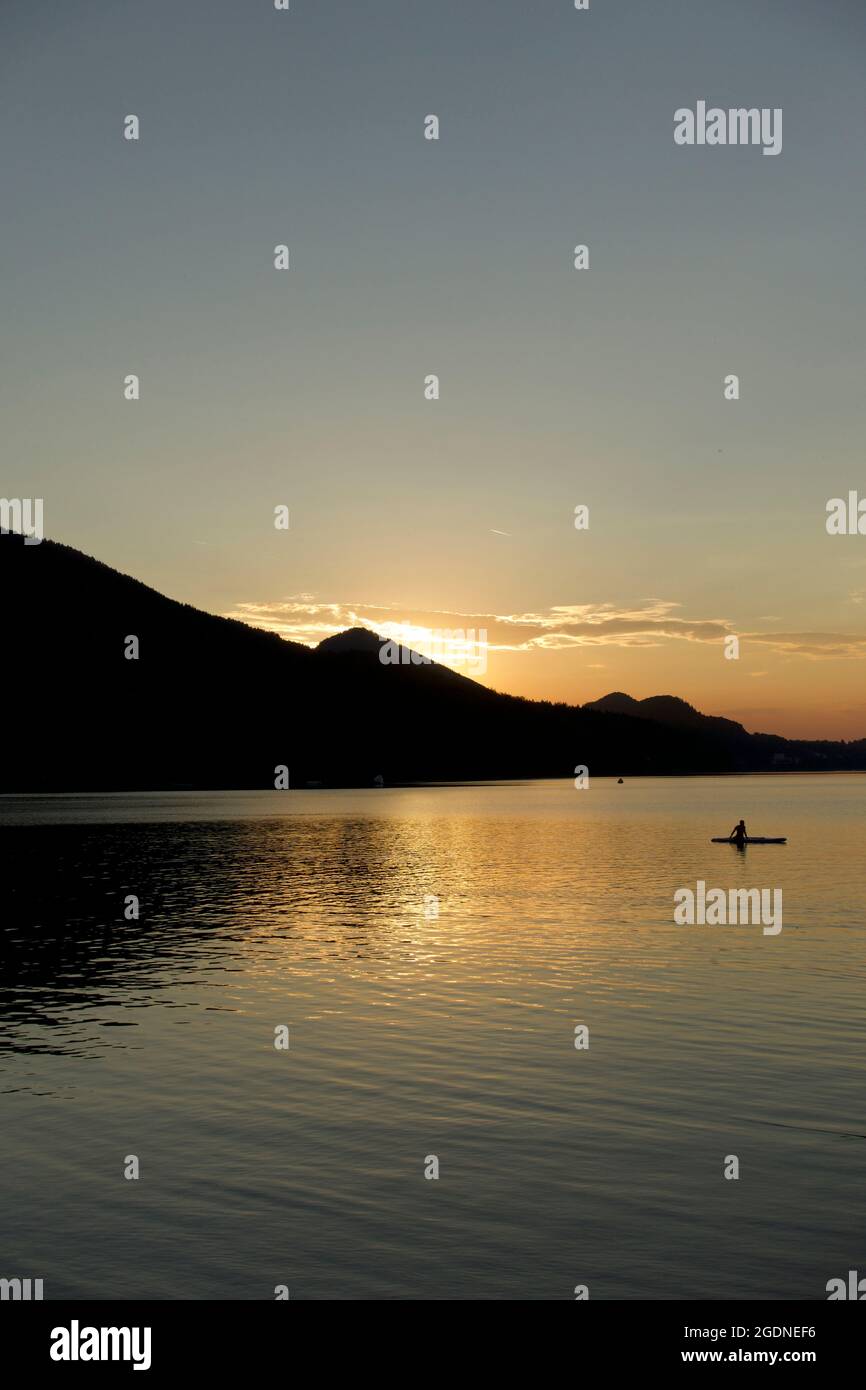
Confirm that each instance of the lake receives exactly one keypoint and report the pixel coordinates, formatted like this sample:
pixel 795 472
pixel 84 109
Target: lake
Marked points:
pixel 431 952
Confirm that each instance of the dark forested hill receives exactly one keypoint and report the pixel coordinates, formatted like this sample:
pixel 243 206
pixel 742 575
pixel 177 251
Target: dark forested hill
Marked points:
pixel 213 703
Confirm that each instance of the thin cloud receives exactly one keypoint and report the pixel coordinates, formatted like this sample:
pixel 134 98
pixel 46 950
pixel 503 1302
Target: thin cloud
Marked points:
pixel 303 618
pixel 816 645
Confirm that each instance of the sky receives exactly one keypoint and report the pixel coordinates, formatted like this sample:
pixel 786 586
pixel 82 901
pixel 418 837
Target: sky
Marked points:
pixel 559 388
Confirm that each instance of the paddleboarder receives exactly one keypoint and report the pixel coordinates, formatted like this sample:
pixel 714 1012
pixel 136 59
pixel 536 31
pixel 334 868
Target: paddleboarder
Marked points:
pixel 739 834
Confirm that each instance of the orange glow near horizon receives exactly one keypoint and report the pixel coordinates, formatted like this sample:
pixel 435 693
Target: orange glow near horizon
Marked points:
pixel 782 683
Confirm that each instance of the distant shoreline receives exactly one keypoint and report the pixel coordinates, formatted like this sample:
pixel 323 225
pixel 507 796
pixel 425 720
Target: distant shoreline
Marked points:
pixel 413 786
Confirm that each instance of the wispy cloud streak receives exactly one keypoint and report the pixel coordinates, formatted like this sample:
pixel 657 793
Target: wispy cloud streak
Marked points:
pixel 303 618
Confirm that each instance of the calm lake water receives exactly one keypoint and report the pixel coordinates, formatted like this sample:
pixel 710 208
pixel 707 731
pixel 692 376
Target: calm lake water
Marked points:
pixel 415 1035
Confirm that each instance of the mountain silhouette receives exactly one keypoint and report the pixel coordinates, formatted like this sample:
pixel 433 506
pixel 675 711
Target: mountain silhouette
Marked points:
pixel 354 639
pixel 665 709
pixel 211 702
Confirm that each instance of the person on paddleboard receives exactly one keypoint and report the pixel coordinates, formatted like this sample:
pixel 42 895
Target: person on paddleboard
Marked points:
pixel 739 834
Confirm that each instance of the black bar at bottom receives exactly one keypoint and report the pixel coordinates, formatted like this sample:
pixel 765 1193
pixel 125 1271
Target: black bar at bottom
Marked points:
pixel 256 1339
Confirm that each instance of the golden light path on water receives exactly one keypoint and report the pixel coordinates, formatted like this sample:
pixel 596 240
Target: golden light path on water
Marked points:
pixel 431 952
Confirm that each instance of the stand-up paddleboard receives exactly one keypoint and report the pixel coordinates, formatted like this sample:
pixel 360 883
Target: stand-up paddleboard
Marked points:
pixel 752 840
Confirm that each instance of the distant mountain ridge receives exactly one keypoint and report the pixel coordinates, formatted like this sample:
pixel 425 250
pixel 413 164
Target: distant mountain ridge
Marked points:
pixel 354 639
pixel 664 709
pixel 211 702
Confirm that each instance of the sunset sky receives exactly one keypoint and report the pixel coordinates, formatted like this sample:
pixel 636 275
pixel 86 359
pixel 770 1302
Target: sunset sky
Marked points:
pixel 559 387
